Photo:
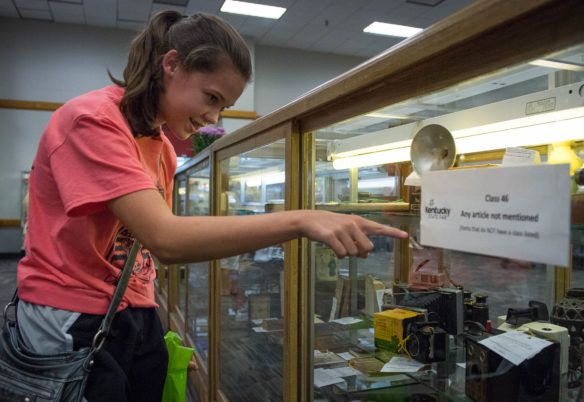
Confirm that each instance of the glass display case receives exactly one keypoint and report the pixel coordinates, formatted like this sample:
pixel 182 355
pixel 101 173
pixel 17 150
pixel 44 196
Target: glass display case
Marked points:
pixel 196 282
pixel 251 285
pixel 458 296
pixel 183 289
pixel 496 84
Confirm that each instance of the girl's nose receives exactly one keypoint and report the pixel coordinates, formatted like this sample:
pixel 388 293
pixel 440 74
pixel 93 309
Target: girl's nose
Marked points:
pixel 212 116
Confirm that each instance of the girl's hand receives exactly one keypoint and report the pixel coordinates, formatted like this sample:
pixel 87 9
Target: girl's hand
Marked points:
pixel 345 234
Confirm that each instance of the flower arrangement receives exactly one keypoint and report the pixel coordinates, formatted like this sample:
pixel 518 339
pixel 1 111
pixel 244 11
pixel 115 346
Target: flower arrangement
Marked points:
pixel 205 137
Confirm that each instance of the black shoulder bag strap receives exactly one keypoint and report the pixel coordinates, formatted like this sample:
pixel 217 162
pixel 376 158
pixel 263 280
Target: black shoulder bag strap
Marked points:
pixel 99 338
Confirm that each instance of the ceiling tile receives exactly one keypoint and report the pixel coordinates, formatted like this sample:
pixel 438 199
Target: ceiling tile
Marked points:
pixel 275 3
pixel 100 12
pixel 256 29
pixel 36 14
pixel 311 32
pixel 334 16
pixel 32 4
pixel 67 13
pixel 382 6
pixel 279 35
pixel 134 10
pixel 174 3
pixel 235 20
pixel 309 8
pixel 301 27
pixel 156 7
pixel 205 6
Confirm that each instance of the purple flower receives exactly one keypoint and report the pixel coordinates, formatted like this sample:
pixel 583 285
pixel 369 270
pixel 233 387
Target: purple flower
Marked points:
pixel 211 130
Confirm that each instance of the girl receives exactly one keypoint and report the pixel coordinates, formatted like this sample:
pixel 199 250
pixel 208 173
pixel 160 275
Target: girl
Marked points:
pixel 103 175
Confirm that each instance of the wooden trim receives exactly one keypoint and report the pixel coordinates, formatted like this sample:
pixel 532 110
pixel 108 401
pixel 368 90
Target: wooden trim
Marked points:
pixel 161 299
pixel 173 288
pixel 291 275
pixel 403 258
pixel 177 322
pixel 29 105
pixel 52 106
pixel 10 223
pixel 238 147
pixel 366 207
pixel 199 377
pixel 563 280
pixel 214 306
pixel 306 278
pixel 214 323
pixel 199 159
pixel 494 155
pixel 239 114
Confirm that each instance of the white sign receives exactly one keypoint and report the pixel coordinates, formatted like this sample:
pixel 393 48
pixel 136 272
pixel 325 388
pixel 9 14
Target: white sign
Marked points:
pixel 401 365
pixel 520 212
pixel 515 346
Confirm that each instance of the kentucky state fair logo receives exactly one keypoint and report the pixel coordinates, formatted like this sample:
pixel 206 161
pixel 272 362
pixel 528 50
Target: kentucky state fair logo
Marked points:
pixel 436 212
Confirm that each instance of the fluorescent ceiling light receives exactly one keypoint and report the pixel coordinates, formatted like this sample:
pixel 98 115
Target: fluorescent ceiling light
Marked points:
pixel 558 64
pixel 373 159
pixel 540 118
pixel 544 133
pixel 253 9
pixel 381 182
pixel 257 179
pixel 382 28
pixel 482 138
pixel 389 116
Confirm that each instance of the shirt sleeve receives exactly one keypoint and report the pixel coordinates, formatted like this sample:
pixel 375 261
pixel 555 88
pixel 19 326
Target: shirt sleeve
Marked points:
pixel 97 162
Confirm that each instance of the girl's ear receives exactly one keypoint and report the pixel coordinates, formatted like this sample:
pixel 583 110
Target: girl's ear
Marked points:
pixel 170 62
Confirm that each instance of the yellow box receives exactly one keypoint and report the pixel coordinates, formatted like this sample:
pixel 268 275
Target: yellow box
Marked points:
pixel 390 327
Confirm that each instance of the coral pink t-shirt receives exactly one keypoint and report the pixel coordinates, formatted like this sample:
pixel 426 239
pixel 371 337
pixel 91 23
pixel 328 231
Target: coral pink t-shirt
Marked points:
pixel 75 246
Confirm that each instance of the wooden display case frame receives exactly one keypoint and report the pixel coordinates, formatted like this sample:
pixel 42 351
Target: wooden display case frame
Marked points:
pixel 481 39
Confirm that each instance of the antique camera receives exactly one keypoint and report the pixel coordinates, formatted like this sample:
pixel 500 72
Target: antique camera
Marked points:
pixel 426 342
pixel 490 377
pixel 476 310
pixel 537 311
pixel 443 305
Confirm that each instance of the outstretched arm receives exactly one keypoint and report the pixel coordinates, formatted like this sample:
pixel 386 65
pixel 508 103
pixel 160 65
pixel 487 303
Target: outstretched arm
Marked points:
pixel 176 239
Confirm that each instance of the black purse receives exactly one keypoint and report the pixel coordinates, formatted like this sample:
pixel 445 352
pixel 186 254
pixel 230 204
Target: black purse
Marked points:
pixel 29 376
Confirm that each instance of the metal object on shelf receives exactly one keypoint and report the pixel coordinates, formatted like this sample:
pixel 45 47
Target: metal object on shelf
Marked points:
pixel 569 313
pixel 579 177
pixel 432 148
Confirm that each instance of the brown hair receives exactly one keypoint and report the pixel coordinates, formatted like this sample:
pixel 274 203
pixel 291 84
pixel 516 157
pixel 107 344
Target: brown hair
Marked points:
pixel 203 42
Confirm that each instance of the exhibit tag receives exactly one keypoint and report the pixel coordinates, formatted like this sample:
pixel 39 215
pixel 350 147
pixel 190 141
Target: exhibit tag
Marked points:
pixel 520 212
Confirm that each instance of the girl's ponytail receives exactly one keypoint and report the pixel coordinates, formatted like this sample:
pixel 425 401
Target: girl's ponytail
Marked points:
pixel 143 74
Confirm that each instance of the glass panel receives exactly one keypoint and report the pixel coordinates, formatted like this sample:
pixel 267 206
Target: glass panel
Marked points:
pixel 438 303
pixel 181 196
pixel 252 284
pixel 197 316
pixel 182 205
pixel 179 205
